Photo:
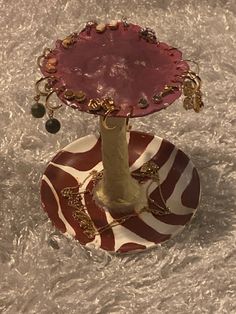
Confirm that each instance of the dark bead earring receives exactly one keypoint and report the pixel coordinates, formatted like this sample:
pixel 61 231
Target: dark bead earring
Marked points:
pixel 52 125
pixel 38 110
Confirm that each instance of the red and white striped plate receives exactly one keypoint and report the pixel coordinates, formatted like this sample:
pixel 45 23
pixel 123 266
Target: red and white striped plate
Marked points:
pixel 180 187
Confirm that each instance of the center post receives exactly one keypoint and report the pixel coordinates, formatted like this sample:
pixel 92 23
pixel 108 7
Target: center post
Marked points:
pixel 117 191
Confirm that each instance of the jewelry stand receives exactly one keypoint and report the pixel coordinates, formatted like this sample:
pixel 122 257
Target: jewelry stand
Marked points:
pixel 122 191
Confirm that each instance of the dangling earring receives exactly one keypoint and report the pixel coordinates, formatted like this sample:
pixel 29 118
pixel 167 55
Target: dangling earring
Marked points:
pixel 192 92
pixel 192 89
pixel 52 125
pixel 104 120
pixel 38 110
pixel 108 105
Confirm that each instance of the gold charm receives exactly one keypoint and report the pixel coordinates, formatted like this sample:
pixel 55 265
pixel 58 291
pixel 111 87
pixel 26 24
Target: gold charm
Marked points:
pixel 148 34
pixel 69 94
pixel 113 25
pixel 80 96
pixel 197 101
pixel 52 61
pixel 106 104
pixel 189 88
pixel 68 41
pixel 150 169
pixel 94 104
pixel 46 52
pixel 50 68
pixel 192 91
pixel 100 28
pixel 188 103
pixel 168 89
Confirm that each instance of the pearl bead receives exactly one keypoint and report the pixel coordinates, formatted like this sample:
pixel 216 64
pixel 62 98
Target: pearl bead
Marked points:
pixel 38 110
pixel 52 125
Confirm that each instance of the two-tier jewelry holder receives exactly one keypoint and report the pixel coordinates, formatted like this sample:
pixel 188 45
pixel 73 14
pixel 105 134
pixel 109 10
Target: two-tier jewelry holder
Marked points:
pixel 121 191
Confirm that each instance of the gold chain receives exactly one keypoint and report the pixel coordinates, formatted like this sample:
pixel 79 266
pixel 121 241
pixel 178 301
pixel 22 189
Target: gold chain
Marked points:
pixel 74 196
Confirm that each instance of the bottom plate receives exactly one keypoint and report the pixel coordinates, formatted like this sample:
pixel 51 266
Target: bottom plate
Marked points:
pixel 179 183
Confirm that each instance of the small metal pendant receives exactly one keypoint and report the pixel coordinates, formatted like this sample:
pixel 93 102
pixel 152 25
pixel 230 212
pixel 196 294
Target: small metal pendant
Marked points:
pixel 68 41
pixel 168 89
pixel 94 104
pixel 188 103
pixel 143 103
pixel 113 24
pixel 69 94
pixel 148 34
pixel 80 96
pixel 100 28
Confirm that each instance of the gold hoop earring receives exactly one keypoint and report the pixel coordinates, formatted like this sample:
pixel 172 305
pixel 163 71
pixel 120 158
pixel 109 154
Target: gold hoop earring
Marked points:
pixel 37 84
pixel 46 51
pixel 128 127
pixel 38 109
pixel 52 125
pixel 104 120
pixel 48 106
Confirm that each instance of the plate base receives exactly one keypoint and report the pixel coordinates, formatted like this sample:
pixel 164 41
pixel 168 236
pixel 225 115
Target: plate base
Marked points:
pixel 179 189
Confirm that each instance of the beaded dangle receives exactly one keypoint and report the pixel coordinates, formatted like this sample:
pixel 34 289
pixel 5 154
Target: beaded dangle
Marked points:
pixel 38 109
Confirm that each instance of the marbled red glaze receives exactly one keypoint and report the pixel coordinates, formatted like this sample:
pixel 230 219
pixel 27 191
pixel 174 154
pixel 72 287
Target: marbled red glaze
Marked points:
pixel 119 64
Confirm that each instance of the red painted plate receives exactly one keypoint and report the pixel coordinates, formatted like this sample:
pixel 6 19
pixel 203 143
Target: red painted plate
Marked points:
pixel 179 181
pixel 117 63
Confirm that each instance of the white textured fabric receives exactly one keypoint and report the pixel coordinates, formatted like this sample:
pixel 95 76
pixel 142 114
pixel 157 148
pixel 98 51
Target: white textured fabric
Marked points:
pixel 41 271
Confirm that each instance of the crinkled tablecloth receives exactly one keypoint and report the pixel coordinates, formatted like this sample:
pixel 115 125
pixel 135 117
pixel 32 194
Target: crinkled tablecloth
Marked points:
pixel 41 271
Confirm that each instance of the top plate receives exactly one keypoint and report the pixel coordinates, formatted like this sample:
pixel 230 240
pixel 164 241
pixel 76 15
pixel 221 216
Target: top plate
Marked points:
pixel 120 62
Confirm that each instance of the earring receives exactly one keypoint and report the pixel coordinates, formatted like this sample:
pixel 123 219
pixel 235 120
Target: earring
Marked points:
pixel 168 89
pixel 38 110
pixel 46 51
pixel 192 92
pixel 108 105
pixel 52 125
